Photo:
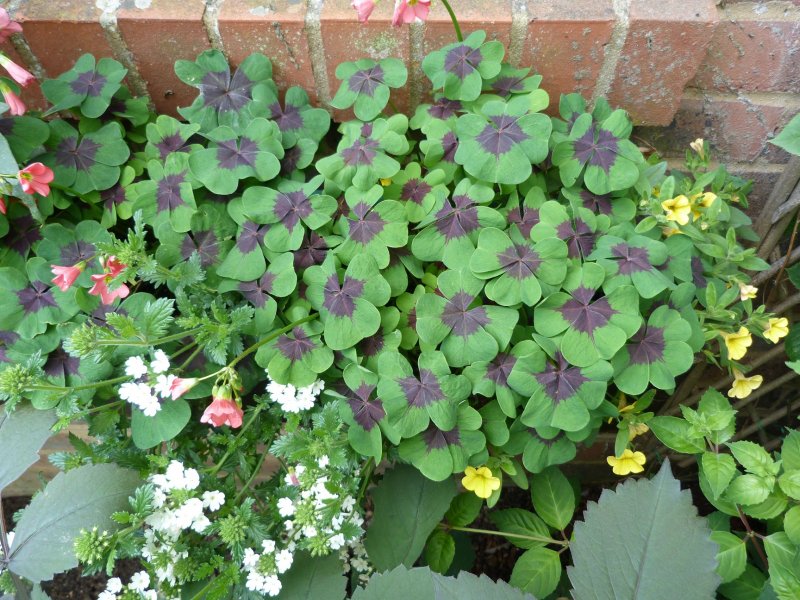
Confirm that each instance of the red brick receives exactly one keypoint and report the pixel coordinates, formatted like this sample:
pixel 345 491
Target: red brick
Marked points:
pixel 566 44
pixel 756 47
pixel 346 39
pixel 279 32
pixel 60 31
pixel 664 46
pixel 764 176
pixel 31 96
pixel 158 36
pixel 738 128
pixel 494 18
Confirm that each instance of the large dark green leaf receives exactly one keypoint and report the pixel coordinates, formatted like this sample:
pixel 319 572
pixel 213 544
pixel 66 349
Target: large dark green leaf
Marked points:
pixel 22 434
pixel 318 578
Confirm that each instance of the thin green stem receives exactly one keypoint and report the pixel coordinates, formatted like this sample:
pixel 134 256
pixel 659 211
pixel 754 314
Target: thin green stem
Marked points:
pixel 235 442
pixel 248 351
pixel 366 473
pixel 506 534
pixel 182 349
pixel 255 472
pixel 114 404
pixel 163 340
pixel 78 388
pixel 190 358
pixel 453 18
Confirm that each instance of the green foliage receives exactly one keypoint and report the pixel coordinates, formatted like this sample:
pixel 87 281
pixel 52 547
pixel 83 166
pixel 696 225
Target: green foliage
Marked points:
pixel 789 137
pixel 23 432
pixel 634 539
pixel 319 578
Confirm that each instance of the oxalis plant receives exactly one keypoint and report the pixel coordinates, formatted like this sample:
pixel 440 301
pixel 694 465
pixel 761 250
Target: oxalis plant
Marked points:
pixel 312 355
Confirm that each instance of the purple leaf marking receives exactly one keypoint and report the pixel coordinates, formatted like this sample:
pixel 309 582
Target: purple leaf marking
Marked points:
pixel 171 143
pixel 647 346
pixel 500 368
pixel 444 108
pixel 457 219
pixel 520 261
pixel 288 119
pixel 560 380
pixel 89 83
pixel 415 190
pixel 436 439
pixel 168 192
pixel 464 321
pixel 366 81
pixel 251 236
pixel 290 207
pixel 74 155
pixel 75 252
pixel 295 349
pixel 36 297
pixel 462 60
pixel 583 314
pixel 631 259
pixel 524 218
pixel 367 413
pixel 579 239
pixel 340 300
pixel 226 94
pixel 362 152
pixel 598 148
pixel 312 251
pixel 231 154
pixel 256 292
pixel 421 392
pixel 205 243
pixel 59 363
pixel 366 225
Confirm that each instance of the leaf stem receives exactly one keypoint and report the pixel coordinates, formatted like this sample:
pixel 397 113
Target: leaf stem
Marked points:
pixel 255 472
pixel 78 388
pixel 3 537
pixel 366 473
pixel 453 18
pixel 520 536
pixel 233 444
pixel 247 351
pixel 169 338
pixel 752 535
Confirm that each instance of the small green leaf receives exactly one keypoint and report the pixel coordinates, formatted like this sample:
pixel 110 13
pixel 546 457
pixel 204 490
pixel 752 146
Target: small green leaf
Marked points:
pixel 440 551
pixel 675 433
pixel 537 571
pixel 522 522
pixel 148 432
pixel 789 137
pixel 747 489
pixel 791 524
pixel 790 450
pixel 719 469
pixel 752 457
pixel 463 509
pixel 790 484
pixel 553 497
pixel 732 555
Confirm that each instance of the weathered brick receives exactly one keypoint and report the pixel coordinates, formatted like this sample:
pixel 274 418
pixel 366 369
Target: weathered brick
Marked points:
pixel 756 47
pixel 277 30
pixel 60 31
pixel 346 39
pixel 159 35
pixel 566 44
pixel 665 44
pixel 738 128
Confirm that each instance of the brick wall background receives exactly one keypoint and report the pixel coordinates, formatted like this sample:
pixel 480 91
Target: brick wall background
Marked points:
pixel 725 70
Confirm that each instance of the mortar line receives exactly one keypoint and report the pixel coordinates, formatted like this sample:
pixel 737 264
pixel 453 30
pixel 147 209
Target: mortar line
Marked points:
pixel 614 49
pixel 519 31
pixel 23 48
pixel 108 22
pixel 416 77
pixel 316 50
pixel 211 24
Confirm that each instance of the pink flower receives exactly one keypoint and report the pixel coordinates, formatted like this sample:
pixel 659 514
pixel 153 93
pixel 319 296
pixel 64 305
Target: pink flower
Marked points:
pixel 18 74
pixel 3 208
pixel 7 26
pixel 66 276
pixel 363 8
pixel 35 179
pixel 179 386
pixel 15 105
pixel 408 11
pixel 100 288
pixel 223 411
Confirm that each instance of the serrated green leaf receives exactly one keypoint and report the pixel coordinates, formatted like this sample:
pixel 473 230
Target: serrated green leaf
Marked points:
pixel 791 524
pixel 732 555
pixel 719 469
pixel 634 540
pixel 790 484
pixel 553 497
pixel 752 457
pixel 676 433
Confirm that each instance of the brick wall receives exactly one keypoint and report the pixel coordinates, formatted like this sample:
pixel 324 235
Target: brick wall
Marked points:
pixel 728 70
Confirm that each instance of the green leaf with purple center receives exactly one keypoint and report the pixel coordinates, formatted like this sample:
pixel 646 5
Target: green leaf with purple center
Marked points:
pixel 440 111
pixel 366 85
pixel 538 452
pixel 601 152
pixel 523 214
pixel 460 69
pixel 632 260
pixel 451 229
pixel 347 302
pixel 297 357
pixel 87 162
pixel 167 135
pixel 225 99
pixel 656 354
pixel 439 148
pixel 387 339
pixel 512 269
pixel 362 156
pixel 363 411
pixel 167 194
pixel 438 453
pixel 372 226
pixel 502 141
pixel 232 157
pixel 511 81
pixel 288 210
pixel 418 193
pixel 246 259
pixel 619 208
pixel 296 118
pixel 577 227
pixel 414 398
pixel 88 85
pixel 490 378
pixel 466 330
pixel 68 247
pixel 593 326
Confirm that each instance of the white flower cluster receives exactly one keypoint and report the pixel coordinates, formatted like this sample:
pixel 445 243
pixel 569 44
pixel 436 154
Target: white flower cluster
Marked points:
pixel 315 503
pixel 263 569
pixel 176 512
pixel 354 556
pixel 145 395
pixel 139 585
pixel 292 399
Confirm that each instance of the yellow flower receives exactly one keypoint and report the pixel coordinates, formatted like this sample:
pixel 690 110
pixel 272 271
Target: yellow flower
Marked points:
pixel 678 209
pixel 629 462
pixel 385 182
pixel 747 292
pixel 777 329
pixel 670 231
pixel 708 199
pixel 697 146
pixel 738 343
pixel 481 481
pixel 742 386
pixel 705 200
pixel 635 429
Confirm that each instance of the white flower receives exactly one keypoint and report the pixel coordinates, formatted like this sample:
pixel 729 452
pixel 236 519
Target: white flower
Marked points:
pixel 255 581
pixel 336 541
pixel 250 558
pixel 283 561
pixel 348 504
pixel 288 525
pixel 286 507
pixel 160 363
pixel 135 393
pixel 191 479
pixel 159 498
pixel 106 596
pixel 271 585
pixel 323 462
pixel 150 595
pixel 135 367
pixel 150 407
pixel 269 546
pixel 114 585
pixel 213 500
pixel 309 531
pixel 142 4
pixel 163 384
pixel 200 524
pixel 175 475
pixel 140 581
pixel 188 513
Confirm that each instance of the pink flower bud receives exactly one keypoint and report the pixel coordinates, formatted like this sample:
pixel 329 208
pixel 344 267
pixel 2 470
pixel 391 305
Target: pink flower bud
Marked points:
pixel 15 105
pixel 409 11
pixel 363 8
pixel 179 386
pixel 17 73
pixel 66 276
pixel 7 26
